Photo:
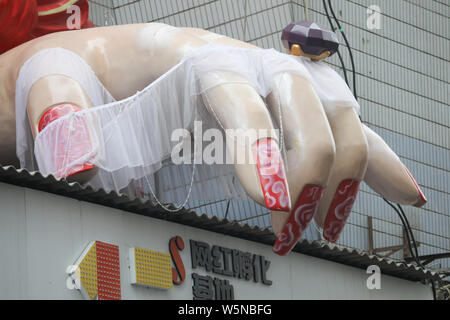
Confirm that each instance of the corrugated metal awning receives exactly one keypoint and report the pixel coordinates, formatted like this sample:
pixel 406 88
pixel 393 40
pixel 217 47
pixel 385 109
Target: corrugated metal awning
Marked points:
pixel 319 249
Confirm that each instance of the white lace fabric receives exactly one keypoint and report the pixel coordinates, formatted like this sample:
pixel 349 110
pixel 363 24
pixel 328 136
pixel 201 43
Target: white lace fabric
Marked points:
pixel 131 138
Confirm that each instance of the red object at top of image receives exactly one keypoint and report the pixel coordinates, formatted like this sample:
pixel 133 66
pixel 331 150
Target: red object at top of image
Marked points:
pixel 23 20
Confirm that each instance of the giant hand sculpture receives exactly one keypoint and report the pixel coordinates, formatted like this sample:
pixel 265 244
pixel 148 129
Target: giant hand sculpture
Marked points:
pixel 329 152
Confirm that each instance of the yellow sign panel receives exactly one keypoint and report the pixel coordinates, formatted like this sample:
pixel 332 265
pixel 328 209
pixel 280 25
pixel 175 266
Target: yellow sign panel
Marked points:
pixel 88 272
pixel 151 268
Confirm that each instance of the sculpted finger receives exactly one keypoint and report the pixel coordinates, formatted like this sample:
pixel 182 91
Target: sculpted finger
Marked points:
pixel 51 98
pixel 310 155
pixel 243 108
pixel 388 176
pixel 251 139
pixel 348 171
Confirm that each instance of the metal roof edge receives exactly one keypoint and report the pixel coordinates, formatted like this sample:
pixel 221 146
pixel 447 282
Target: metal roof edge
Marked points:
pixel 319 249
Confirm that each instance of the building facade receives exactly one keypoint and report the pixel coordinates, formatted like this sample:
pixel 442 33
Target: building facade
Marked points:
pixel 65 242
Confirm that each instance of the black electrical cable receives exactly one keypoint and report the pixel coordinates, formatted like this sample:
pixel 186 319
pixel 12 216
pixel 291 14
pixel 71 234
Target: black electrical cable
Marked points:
pixel 338 53
pixel 409 234
pixel 401 213
pixel 348 47
pixel 410 238
pixel 415 248
pixel 405 226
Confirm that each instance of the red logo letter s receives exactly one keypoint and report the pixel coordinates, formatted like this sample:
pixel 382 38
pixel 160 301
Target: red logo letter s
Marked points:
pixel 176 244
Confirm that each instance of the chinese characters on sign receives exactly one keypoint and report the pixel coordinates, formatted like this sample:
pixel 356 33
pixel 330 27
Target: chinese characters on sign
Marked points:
pixel 226 262
pixel 207 288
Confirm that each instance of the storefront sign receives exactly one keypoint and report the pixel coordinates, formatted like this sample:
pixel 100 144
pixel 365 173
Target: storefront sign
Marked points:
pixel 97 274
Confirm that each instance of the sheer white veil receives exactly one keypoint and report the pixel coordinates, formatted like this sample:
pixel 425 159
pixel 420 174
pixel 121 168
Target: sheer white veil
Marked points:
pixel 132 138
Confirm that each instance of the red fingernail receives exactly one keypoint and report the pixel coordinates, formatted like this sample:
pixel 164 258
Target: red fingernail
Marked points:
pixel 340 209
pixel 70 143
pixel 300 218
pixel 272 175
pixel 422 196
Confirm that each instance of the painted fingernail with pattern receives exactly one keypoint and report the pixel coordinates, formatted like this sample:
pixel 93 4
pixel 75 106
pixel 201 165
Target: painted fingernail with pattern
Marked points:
pixel 272 175
pixel 340 209
pixel 302 215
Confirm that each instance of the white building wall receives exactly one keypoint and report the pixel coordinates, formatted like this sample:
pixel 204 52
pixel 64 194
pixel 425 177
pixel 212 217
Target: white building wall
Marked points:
pixel 41 234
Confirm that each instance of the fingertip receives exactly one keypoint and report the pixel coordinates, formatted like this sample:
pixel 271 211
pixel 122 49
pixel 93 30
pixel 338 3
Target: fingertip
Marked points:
pixel 340 209
pixel 329 239
pixel 299 220
pixel 422 200
pixel 279 252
